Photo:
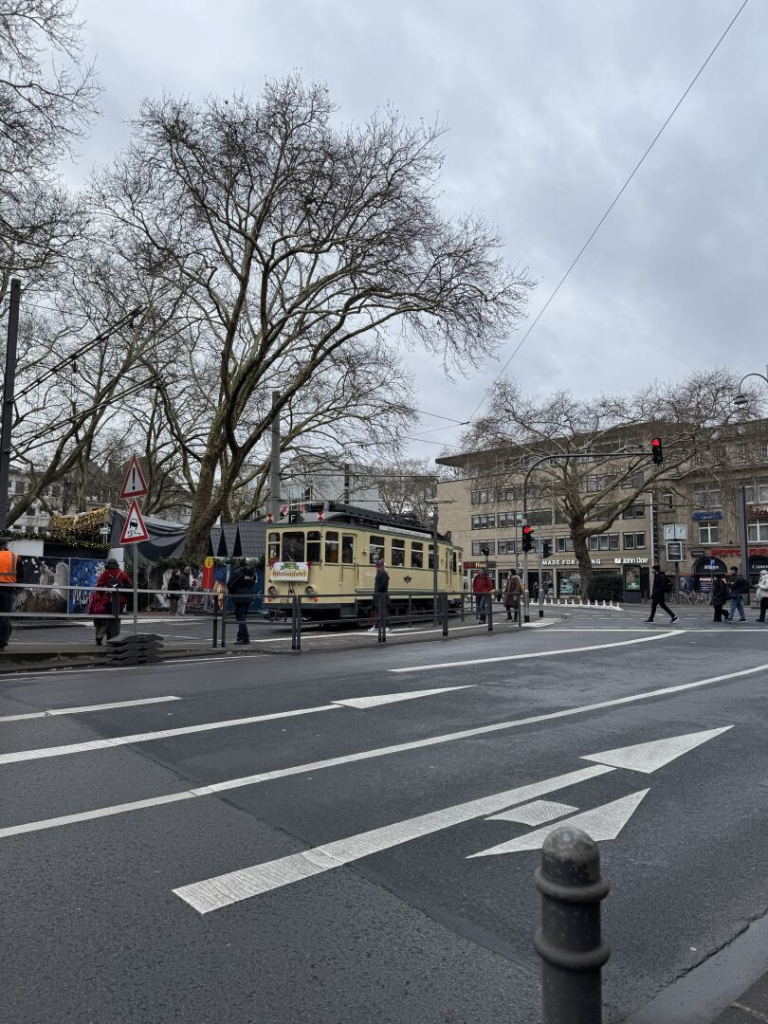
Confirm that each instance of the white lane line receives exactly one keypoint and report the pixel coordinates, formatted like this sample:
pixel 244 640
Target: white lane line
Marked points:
pixel 163 734
pixel 215 893
pixel 365 755
pixel 49 712
pixel 538 654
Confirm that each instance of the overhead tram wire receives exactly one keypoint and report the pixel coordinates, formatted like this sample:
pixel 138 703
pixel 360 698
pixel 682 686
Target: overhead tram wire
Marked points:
pixel 616 198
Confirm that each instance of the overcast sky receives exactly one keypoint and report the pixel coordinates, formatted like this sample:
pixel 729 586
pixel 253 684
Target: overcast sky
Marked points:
pixel 550 103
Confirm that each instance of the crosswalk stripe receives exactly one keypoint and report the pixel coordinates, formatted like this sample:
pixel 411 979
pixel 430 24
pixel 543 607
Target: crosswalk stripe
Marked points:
pixel 50 712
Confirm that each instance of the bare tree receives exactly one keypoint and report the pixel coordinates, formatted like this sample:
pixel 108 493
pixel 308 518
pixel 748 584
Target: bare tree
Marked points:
pixel 48 94
pixel 290 242
pixel 582 479
pixel 407 488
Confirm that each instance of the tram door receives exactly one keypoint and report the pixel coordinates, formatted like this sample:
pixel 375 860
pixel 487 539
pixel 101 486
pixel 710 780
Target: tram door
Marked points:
pixel 348 582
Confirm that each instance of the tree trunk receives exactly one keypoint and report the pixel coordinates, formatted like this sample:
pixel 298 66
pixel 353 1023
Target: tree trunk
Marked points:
pixel 583 558
pixel 205 512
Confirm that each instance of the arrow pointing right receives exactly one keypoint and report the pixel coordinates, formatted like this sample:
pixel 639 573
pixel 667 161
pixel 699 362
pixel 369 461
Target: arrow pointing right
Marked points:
pixel 649 757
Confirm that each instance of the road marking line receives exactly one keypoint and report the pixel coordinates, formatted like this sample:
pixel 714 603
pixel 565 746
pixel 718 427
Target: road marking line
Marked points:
pixel 538 654
pixel 164 734
pixel 365 755
pixel 49 712
pixel 537 813
pixel 215 893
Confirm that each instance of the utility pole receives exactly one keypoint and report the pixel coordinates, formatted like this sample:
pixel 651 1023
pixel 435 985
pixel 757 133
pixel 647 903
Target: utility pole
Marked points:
pixel 347 483
pixel 743 532
pixel 435 554
pixel 274 467
pixel 9 385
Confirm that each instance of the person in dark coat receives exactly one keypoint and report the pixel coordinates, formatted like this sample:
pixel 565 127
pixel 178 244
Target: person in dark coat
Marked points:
pixel 719 598
pixel 737 588
pixel 100 603
pixel 661 587
pixel 380 598
pixel 512 595
pixel 240 586
pixel 175 586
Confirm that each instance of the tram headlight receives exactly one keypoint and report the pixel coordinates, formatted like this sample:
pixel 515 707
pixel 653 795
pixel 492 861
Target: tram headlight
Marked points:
pixel 309 591
pixel 272 591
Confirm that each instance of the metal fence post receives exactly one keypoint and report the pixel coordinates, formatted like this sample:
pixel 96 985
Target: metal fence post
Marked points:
pixel 569 941
pixel 444 610
pixel 490 612
pixel 224 622
pixel 295 623
pixel 115 612
pixel 462 605
pixel 215 629
pixel 382 610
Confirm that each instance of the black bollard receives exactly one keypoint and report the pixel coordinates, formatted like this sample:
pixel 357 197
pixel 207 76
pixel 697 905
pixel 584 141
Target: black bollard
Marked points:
pixel 569 941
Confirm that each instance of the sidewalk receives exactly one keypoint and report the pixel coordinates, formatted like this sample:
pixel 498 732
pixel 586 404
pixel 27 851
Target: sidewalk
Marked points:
pixel 750 1008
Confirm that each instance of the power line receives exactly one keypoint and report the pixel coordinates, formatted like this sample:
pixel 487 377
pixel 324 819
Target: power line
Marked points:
pixel 616 198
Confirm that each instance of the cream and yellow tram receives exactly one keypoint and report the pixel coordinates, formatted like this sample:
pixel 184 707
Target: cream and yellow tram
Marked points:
pixel 327 554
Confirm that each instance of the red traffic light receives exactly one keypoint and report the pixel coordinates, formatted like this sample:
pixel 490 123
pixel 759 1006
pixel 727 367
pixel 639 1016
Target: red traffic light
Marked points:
pixel 527 530
pixel 657 451
pixel 656 442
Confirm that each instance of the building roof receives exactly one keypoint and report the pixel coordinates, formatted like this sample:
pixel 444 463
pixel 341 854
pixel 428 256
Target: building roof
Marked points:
pixel 252 534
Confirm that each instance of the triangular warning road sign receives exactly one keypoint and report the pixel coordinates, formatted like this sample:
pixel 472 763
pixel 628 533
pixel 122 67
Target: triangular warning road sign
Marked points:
pixel 134 529
pixel 134 485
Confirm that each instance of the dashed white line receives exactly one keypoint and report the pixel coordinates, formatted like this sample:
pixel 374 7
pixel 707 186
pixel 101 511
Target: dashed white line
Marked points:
pixel 50 712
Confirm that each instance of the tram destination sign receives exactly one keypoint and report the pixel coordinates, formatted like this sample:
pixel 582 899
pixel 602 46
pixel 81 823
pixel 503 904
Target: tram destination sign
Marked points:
pixel 291 571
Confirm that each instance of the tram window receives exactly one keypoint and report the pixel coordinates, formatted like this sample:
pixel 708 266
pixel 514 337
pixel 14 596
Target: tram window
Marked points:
pixel 331 547
pixel 313 545
pixel 347 549
pixel 454 562
pixel 417 555
pixel 274 547
pixel 431 558
pixel 293 547
pixel 398 552
pixel 377 549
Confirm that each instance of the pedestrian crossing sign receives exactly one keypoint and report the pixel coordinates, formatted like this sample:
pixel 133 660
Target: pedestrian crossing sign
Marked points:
pixel 134 530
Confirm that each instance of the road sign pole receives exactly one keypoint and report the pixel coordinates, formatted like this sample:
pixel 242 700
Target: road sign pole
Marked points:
pixel 135 589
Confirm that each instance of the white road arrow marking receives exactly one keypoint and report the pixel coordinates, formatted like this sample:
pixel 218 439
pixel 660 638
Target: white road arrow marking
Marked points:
pixel 165 734
pixel 602 823
pixel 215 893
pixel 537 813
pixel 648 757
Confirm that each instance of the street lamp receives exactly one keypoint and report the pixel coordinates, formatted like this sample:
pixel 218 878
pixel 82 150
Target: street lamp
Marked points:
pixel 741 401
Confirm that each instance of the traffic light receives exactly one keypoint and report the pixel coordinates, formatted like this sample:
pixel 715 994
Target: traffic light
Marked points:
pixel 527 538
pixel 546 548
pixel 657 451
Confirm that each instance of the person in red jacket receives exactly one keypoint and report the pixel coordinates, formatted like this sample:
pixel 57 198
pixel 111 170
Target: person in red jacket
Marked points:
pixel 482 587
pixel 100 603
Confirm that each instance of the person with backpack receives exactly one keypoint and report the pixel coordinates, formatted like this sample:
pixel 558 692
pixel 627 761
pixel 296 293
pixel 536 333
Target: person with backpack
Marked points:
pixel 240 585
pixel 737 588
pixel 482 588
pixel 662 585
pixel 100 603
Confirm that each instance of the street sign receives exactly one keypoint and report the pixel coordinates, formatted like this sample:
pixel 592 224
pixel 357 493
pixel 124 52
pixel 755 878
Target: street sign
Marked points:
pixel 134 530
pixel 134 485
pixel 675 551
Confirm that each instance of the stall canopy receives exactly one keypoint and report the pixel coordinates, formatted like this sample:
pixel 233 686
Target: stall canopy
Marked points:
pixel 166 539
pixel 239 540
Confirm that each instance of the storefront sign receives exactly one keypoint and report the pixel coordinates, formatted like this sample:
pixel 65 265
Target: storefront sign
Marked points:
pixel 698 552
pixel 567 561
pixel 632 579
pixel 291 571
pixel 630 561
pixel 758 511
pixel 479 565
pixel 699 516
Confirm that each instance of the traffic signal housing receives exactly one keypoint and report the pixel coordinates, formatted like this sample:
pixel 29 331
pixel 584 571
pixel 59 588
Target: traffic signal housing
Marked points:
pixel 657 450
pixel 527 538
pixel 546 549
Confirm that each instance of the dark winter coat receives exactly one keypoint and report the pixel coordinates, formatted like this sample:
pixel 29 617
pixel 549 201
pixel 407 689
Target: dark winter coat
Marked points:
pixel 176 583
pixel 660 586
pixel 241 584
pixel 719 592
pixel 100 602
pixel 381 583
pixel 738 586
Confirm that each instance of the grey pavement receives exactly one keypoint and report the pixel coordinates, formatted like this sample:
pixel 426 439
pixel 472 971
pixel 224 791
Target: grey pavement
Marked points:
pixel 110 851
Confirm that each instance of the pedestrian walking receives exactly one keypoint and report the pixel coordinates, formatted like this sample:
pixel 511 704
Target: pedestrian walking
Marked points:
pixel 719 598
pixel 175 584
pixel 482 587
pixel 10 572
pixel 761 593
pixel 240 586
pixel 662 585
pixel 380 598
pixel 187 584
pixel 737 588
pixel 512 595
pixel 100 604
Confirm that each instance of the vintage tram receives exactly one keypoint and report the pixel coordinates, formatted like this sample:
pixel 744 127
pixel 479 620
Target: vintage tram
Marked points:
pixel 326 552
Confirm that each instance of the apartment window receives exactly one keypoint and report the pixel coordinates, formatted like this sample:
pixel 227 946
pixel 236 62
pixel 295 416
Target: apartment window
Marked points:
pixel 593 484
pixel 508 494
pixel 756 493
pixel 474 497
pixel 481 497
pixel 507 546
pixel 313 545
pixel 478 545
pixel 709 533
pixel 668 500
pixel 564 544
pixel 376 546
pixel 483 522
pixel 398 552
pixel 506 520
pixel 634 541
pixel 634 481
pixel 604 542
pixel 740 452
pixel 417 555
pixel 707 497
pixel 332 547
pixel 757 532
pixel 636 511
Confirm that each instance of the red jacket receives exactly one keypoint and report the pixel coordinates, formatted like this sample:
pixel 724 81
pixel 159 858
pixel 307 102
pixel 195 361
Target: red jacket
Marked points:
pixel 482 584
pixel 100 602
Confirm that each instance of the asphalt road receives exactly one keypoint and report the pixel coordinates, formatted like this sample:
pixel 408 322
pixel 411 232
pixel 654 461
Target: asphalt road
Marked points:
pixel 124 885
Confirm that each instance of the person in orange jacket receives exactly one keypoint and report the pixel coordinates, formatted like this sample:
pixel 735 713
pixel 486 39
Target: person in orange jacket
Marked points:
pixel 482 587
pixel 10 572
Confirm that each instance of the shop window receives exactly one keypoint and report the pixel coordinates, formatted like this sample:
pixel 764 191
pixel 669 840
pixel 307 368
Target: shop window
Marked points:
pixel 398 552
pixel 293 547
pixel 331 547
pixel 417 555
pixel 313 545
pixel 347 549
pixel 376 548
